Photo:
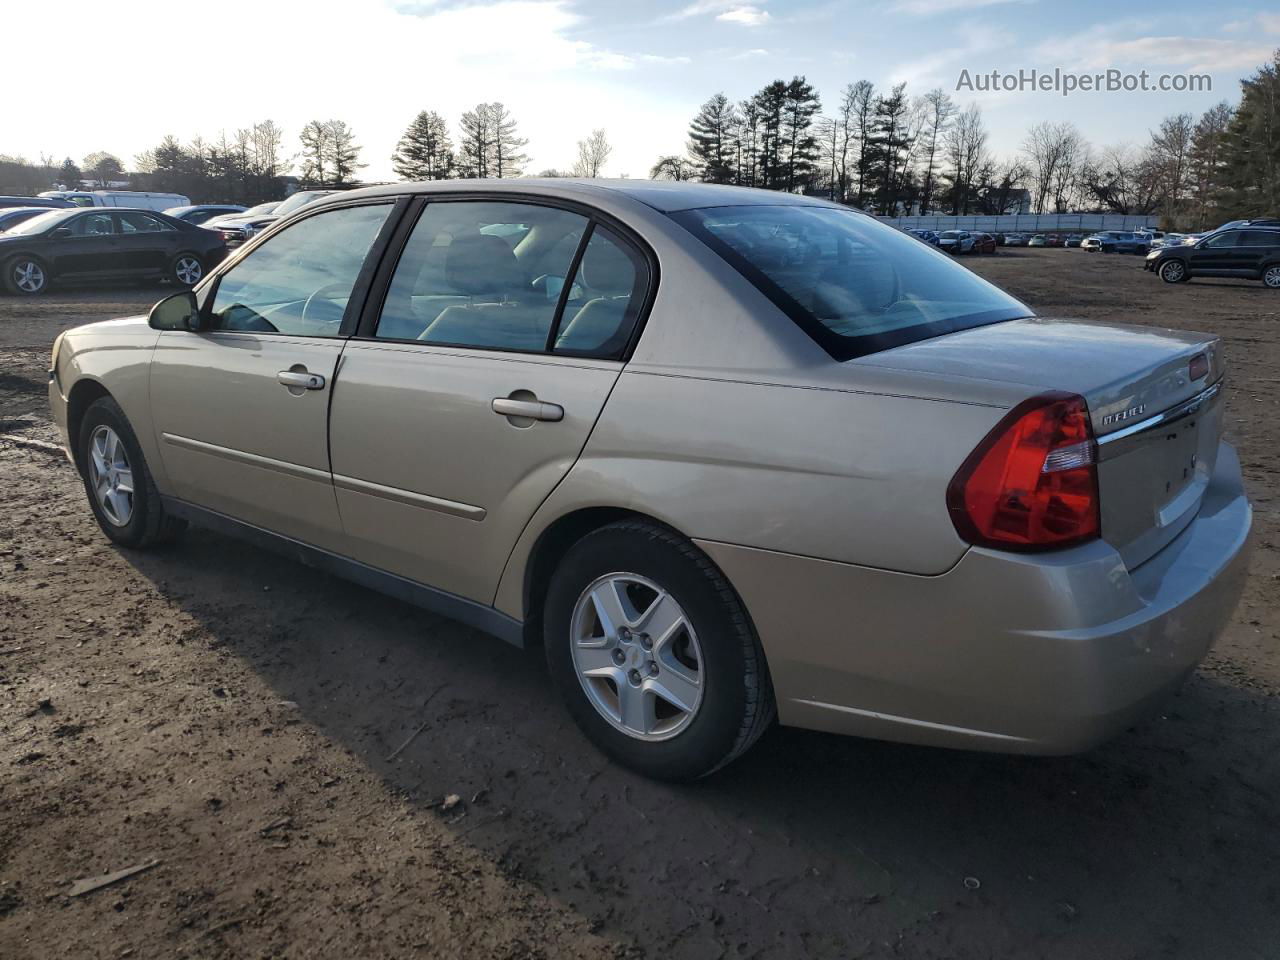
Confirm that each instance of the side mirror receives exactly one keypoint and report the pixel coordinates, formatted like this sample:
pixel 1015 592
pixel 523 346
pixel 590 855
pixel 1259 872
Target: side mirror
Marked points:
pixel 61 233
pixel 178 312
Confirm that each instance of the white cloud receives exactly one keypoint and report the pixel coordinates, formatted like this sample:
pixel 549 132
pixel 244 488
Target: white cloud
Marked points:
pixel 389 59
pixel 747 16
pixel 1105 47
pixel 1269 22
pixel 749 54
pixel 927 7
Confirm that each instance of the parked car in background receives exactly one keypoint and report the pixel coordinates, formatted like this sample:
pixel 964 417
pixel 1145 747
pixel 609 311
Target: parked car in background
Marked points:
pixel 984 243
pixel 1054 240
pixel 132 199
pixel 50 203
pixel 1073 240
pixel 237 229
pixel 1249 252
pixel 203 212
pixel 1015 240
pixel 12 216
pixel 260 210
pixel 1039 580
pixel 1167 240
pixel 1037 241
pixel 88 245
pixel 955 241
pixel 1117 241
pixel 928 236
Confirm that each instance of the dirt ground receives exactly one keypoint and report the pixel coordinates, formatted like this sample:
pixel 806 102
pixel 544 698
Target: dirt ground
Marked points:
pixel 228 716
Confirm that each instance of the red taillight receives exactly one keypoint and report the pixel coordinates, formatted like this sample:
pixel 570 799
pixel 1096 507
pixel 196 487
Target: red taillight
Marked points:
pixel 1032 484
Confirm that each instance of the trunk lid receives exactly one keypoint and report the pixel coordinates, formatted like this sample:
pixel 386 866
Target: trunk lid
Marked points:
pixel 1158 428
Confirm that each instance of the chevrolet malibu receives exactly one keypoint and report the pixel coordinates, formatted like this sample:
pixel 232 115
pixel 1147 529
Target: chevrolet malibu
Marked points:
pixel 727 455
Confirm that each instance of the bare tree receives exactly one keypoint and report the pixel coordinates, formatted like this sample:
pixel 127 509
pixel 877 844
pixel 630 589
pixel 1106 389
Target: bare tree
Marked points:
pixel 593 153
pixel 937 109
pixel 672 168
pixel 1053 151
pixel 965 146
pixel 1171 151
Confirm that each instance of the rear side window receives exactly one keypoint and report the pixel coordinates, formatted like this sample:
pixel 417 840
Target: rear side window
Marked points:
pixel 604 298
pixel 852 283
pixel 93 225
pixel 1260 238
pixel 141 223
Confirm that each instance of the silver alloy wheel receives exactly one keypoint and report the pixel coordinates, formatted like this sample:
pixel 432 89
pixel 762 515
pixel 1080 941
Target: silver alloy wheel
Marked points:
pixel 28 276
pixel 637 656
pixel 1272 277
pixel 1173 271
pixel 111 475
pixel 188 270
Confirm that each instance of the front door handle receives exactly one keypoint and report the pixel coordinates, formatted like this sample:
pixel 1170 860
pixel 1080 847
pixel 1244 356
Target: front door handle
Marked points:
pixel 529 409
pixel 300 378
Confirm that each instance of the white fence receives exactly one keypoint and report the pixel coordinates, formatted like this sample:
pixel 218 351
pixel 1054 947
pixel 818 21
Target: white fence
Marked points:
pixel 1028 223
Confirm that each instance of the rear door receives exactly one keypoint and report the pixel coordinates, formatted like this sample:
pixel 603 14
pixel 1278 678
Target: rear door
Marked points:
pixel 241 409
pixel 1257 247
pixel 146 243
pixel 470 392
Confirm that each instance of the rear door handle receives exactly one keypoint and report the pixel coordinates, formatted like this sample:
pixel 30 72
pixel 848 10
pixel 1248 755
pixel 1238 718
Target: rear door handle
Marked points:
pixel 300 378
pixel 531 409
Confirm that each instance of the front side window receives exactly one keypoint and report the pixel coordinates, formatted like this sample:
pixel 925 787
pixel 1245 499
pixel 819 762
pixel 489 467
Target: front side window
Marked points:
pixel 93 225
pixel 855 285
pixel 299 281
pixel 1223 241
pixel 482 273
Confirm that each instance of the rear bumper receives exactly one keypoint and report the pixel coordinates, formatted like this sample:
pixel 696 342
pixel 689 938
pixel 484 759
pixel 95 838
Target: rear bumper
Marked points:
pixel 1044 654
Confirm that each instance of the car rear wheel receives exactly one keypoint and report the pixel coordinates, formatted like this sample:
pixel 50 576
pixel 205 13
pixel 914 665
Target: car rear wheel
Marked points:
pixel 1173 271
pixel 121 491
pixel 26 276
pixel 187 270
pixel 1271 276
pixel 653 653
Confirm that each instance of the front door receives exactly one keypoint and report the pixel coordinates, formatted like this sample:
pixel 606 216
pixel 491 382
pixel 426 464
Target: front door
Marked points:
pixel 241 408
pixel 92 249
pixel 458 415
pixel 1216 255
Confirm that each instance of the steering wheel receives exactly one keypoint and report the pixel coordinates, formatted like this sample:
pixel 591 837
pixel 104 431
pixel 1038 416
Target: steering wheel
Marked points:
pixel 325 295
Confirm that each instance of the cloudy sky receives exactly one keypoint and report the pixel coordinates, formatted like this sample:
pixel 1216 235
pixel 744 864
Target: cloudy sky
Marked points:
pixel 120 76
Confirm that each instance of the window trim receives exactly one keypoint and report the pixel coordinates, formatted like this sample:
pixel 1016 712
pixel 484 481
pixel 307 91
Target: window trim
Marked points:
pixel 366 328
pixel 207 293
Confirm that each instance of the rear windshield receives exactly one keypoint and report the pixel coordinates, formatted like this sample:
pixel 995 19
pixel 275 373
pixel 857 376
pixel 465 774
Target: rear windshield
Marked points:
pixel 852 283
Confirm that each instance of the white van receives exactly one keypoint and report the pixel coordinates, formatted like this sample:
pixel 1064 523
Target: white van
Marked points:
pixel 120 198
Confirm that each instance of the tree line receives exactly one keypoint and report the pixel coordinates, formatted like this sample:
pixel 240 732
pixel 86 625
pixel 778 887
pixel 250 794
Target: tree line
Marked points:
pixel 882 150
pixel 891 153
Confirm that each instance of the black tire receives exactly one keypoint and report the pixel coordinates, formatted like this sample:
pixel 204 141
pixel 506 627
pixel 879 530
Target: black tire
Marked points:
pixel 737 703
pixel 186 270
pixel 1170 267
pixel 1270 277
pixel 148 524
pixel 18 275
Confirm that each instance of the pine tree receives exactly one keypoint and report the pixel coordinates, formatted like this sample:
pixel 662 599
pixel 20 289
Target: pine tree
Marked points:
pixel 506 158
pixel 344 152
pixel 425 151
pixel 1252 147
pixel 799 147
pixel 69 175
pixel 316 151
pixel 769 104
pixel 711 140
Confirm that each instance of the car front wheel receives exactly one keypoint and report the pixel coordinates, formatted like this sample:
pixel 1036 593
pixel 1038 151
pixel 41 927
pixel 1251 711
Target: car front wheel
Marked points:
pixel 187 270
pixel 1271 276
pixel 653 653
pixel 121 492
pixel 26 276
pixel 1173 271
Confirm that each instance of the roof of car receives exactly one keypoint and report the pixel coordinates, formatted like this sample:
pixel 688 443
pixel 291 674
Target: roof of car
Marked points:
pixel 667 196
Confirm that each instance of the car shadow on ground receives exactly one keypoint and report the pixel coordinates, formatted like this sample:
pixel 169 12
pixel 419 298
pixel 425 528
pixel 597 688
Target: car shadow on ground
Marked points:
pixel 1161 843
